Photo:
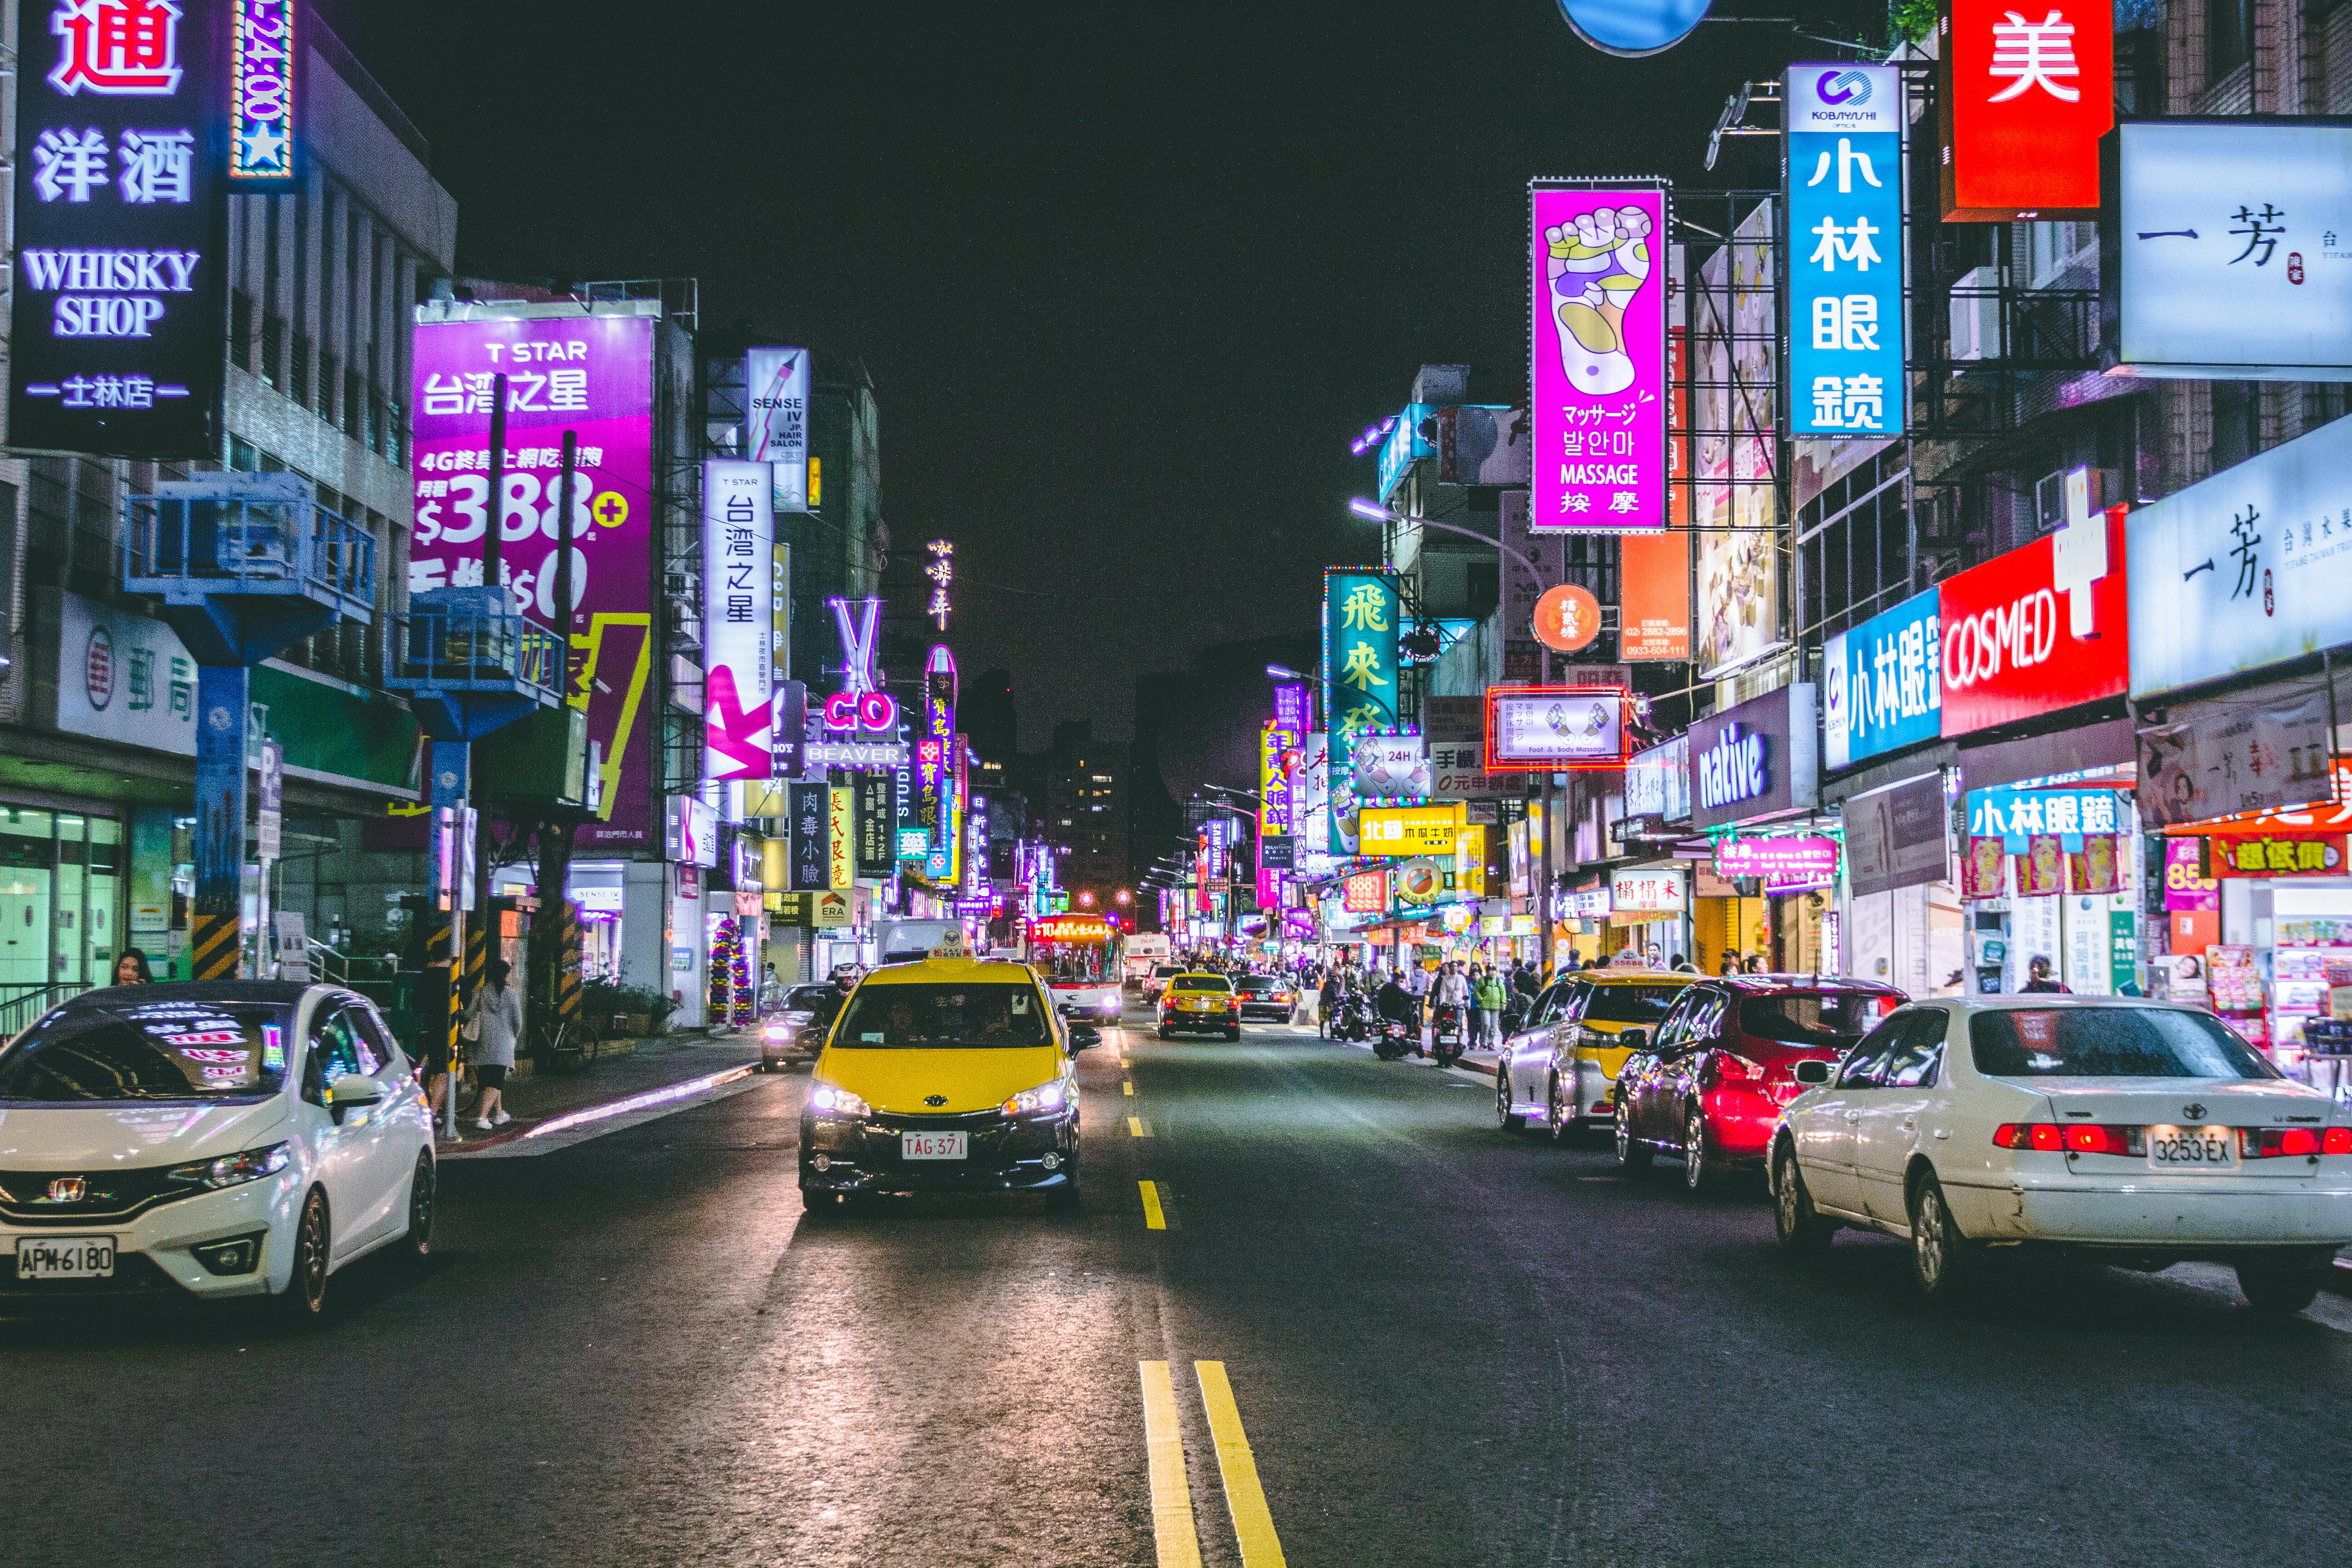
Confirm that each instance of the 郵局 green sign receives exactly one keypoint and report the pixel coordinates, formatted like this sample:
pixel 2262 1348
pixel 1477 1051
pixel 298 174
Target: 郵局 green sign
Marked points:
pixel 1359 675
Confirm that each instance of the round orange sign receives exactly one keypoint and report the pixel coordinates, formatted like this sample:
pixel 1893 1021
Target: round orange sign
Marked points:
pixel 1567 619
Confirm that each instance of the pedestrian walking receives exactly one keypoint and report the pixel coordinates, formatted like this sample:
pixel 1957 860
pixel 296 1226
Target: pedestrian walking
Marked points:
pixel 1327 1002
pixel 496 1017
pixel 1491 996
pixel 131 968
pixel 2038 976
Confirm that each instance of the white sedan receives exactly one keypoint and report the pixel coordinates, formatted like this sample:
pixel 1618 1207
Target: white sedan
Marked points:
pixel 210 1140
pixel 2130 1132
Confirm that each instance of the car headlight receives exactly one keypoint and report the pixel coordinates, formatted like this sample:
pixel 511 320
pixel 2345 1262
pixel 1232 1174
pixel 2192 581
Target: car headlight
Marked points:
pixel 828 1100
pixel 232 1170
pixel 1036 1101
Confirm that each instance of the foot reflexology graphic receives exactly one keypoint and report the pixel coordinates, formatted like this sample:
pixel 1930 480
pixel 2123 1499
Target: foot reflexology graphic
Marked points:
pixel 1599 261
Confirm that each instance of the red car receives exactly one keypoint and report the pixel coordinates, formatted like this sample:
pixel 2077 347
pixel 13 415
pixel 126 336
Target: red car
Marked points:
pixel 1709 1086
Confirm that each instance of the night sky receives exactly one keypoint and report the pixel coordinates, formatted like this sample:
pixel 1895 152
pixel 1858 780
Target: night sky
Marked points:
pixel 1128 277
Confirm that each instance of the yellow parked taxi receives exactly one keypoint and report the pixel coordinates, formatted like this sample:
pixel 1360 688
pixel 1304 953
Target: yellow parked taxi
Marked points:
pixel 1561 1069
pixel 945 1074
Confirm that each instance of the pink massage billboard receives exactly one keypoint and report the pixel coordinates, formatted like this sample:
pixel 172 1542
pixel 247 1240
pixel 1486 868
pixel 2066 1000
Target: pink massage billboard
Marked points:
pixel 1597 375
pixel 590 376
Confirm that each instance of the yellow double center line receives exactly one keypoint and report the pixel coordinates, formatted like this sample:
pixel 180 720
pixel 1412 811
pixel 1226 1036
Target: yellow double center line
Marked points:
pixel 1177 1541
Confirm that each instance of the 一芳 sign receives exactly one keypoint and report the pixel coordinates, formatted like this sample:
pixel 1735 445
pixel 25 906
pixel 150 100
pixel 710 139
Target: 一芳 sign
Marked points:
pixel 2254 558
pixel 1882 683
pixel 2236 250
pixel 120 229
pixel 1843 180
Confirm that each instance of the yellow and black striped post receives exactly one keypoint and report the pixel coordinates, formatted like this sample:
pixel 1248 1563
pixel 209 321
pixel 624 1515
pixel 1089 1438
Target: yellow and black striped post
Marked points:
pixel 213 946
pixel 567 974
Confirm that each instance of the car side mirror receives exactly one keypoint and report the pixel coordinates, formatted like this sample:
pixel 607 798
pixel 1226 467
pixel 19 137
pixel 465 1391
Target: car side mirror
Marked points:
pixel 1635 1040
pixel 1813 1072
pixel 1084 1038
pixel 351 1092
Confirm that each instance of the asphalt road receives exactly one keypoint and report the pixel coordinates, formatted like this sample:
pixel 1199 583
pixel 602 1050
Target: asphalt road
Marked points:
pixel 1375 1330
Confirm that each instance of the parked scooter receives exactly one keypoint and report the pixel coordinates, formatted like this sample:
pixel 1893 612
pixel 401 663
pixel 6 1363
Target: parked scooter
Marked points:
pixel 1445 1042
pixel 1394 1041
pixel 1353 1020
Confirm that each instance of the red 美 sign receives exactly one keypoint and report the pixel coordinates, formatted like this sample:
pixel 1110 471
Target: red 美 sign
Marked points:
pixel 2026 89
pixel 2036 630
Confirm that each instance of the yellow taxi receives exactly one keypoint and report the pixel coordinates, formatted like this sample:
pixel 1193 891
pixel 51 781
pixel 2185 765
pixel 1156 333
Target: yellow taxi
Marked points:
pixel 947 1074
pixel 1200 1001
pixel 1560 1071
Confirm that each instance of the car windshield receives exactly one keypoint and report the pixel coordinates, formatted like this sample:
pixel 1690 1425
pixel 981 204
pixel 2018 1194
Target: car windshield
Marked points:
pixel 1200 982
pixel 1163 971
pixel 927 1017
pixel 1820 1019
pixel 2109 1042
pixel 1260 985
pixel 162 1050
pixel 1630 1004
pixel 809 997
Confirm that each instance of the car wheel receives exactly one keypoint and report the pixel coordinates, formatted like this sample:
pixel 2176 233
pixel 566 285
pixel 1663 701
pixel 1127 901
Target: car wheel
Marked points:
pixel 1562 1115
pixel 2279 1291
pixel 1163 1031
pixel 1631 1156
pixel 418 1243
pixel 1233 1035
pixel 1699 1171
pixel 305 1299
pixel 1941 1255
pixel 1504 1115
pixel 1801 1228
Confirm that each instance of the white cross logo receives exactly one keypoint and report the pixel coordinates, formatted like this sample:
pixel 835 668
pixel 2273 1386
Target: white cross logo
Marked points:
pixel 2078 554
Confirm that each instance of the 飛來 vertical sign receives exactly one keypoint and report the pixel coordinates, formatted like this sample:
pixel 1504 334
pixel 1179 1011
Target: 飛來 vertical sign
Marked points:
pixel 121 231
pixel 738 530
pixel 775 419
pixel 1359 678
pixel 1843 176
pixel 2026 92
pixel 1597 377
pixel 261 95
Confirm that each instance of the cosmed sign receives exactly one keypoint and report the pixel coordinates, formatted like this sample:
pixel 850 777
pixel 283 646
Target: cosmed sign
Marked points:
pixel 120 229
pixel 2038 629
pixel 1598 376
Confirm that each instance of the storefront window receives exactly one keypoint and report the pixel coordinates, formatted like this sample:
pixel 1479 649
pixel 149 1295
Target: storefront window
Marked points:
pixel 60 897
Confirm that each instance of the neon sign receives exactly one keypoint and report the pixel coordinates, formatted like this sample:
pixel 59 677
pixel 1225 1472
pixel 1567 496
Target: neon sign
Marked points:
pixel 861 704
pixel 261 94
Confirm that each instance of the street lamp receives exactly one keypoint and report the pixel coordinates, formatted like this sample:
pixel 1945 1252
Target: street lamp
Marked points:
pixel 1375 512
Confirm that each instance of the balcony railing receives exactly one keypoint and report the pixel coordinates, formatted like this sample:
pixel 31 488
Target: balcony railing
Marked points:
pixel 462 641
pixel 247 536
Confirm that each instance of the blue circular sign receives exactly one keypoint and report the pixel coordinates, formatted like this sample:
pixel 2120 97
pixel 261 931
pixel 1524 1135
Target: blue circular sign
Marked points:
pixel 1633 26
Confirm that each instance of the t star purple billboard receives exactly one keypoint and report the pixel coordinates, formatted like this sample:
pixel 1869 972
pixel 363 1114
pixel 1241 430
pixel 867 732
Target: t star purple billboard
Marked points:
pixel 590 376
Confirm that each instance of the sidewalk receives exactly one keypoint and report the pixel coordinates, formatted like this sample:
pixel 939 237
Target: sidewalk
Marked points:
pixel 657 1063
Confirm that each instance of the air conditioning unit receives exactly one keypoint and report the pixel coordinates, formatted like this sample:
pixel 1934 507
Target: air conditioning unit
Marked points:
pixel 1976 314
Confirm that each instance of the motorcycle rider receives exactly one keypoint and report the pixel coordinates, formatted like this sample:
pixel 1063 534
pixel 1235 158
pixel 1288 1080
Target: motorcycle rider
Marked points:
pixel 1452 990
pixel 1326 1003
pixel 1396 1004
